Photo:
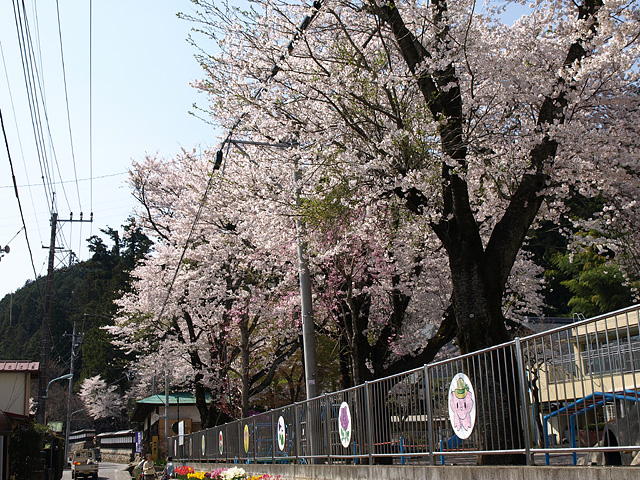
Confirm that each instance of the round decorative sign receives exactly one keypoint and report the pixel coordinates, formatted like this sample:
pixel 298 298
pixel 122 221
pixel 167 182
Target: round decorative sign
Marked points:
pixel 344 424
pixel 220 442
pixel 246 439
pixel 462 406
pixel 281 433
pixel 204 446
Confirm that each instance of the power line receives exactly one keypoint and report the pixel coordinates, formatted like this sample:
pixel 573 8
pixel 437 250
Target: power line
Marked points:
pixel 15 121
pixel 14 237
pixel 29 185
pixel 37 104
pixel 24 226
pixel 50 166
pixel 66 98
pixel 30 72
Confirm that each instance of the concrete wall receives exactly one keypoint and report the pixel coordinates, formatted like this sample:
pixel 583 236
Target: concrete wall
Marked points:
pixel 379 472
pixel 117 457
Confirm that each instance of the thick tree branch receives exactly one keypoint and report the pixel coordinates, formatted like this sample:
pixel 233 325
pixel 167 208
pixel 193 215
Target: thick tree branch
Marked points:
pixel 509 233
pixel 267 374
pixel 446 332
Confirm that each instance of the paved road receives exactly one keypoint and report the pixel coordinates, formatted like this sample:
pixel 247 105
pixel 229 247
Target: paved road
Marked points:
pixel 107 471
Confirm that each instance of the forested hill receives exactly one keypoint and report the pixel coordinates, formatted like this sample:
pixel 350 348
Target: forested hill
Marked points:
pixel 82 293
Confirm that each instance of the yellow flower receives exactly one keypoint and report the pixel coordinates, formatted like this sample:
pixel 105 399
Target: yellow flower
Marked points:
pixel 198 475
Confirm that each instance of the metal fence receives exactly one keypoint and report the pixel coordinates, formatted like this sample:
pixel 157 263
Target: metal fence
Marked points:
pixel 568 395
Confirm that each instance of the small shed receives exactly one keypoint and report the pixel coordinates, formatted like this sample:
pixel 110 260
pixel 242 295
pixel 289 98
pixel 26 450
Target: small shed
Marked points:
pixel 150 414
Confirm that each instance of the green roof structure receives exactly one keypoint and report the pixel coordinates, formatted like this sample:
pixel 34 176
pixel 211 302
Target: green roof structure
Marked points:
pixel 146 405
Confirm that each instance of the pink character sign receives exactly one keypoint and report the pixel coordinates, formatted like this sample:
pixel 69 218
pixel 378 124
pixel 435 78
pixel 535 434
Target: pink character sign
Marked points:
pixel 462 406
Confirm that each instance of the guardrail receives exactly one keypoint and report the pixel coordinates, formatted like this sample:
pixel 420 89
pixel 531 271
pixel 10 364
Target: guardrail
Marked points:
pixel 565 393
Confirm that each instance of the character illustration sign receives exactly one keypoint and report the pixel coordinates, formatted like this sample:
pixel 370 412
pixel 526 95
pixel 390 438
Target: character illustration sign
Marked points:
pixel 462 406
pixel 281 433
pixel 344 424
pixel 220 442
pixel 246 439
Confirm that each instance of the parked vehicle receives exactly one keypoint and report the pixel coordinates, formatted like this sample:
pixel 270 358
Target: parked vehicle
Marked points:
pixel 84 464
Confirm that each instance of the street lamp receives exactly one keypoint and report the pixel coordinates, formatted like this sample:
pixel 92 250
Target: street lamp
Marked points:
pixel 63 377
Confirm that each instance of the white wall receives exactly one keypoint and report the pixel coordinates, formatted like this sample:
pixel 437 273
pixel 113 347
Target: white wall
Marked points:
pixel 14 391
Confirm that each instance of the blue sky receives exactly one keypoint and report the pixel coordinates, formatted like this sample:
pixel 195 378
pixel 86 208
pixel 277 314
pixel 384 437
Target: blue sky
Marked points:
pixel 141 98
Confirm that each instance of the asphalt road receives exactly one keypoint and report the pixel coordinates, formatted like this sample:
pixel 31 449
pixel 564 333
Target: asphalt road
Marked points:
pixel 106 471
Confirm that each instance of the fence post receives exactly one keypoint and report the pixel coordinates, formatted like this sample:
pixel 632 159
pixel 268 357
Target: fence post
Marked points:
pixel 254 439
pixel 226 442
pixel 427 390
pixel 327 426
pixel 523 399
pixel 296 424
pixel 242 455
pixel 367 399
pixel 274 436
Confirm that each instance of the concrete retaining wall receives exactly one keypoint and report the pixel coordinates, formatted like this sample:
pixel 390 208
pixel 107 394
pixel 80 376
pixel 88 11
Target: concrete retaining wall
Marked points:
pixel 383 472
pixel 117 457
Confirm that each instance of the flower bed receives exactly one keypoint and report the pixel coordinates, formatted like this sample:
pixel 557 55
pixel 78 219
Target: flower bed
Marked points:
pixel 233 473
pixel 182 472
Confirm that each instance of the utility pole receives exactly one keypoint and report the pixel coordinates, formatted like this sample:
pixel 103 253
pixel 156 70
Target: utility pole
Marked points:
pixel 166 407
pixel 75 342
pixel 308 327
pixel 44 353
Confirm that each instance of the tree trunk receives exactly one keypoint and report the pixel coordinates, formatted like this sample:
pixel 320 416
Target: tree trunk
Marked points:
pixel 479 275
pixel 356 322
pixel 477 299
pixel 345 362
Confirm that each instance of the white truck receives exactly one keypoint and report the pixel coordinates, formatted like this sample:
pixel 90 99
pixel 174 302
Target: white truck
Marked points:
pixel 84 464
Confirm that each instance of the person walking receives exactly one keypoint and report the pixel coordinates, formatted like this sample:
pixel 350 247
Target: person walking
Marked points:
pixel 148 468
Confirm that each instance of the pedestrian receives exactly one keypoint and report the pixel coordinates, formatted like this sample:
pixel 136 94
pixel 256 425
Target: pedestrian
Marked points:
pixel 169 469
pixel 148 468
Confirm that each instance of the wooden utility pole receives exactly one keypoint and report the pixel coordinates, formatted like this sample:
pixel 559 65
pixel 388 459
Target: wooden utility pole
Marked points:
pixel 44 352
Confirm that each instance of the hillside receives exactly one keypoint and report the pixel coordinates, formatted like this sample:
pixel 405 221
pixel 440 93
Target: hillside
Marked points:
pixel 82 293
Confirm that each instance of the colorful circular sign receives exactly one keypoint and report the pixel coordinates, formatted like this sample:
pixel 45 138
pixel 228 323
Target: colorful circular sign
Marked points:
pixel 344 424
pixel 220 442
pixel 462 406
pixel 281 433
pixel 246 439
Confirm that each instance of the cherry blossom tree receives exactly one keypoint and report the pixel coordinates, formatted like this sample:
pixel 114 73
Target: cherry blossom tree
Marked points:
pixel 101 400
pixel 478 127
pixel 211 305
